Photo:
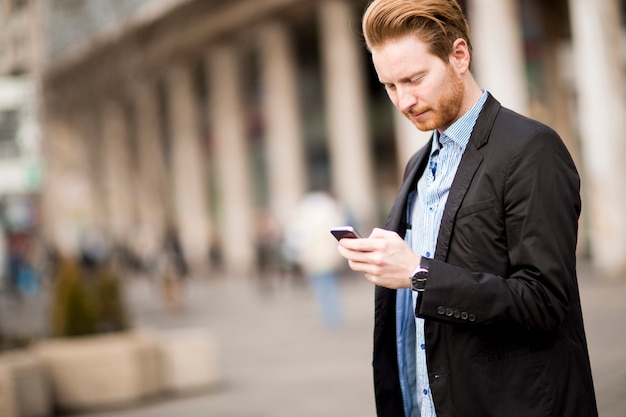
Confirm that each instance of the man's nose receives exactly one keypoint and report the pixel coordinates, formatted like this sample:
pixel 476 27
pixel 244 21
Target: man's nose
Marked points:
pixel 406 99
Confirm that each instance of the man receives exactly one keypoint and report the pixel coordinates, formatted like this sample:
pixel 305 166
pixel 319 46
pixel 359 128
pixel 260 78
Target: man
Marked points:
pixel 477 308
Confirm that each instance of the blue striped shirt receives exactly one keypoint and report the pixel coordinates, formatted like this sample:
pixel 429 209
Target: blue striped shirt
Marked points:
pixel 425 211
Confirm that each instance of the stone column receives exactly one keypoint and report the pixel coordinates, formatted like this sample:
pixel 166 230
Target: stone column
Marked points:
pixel 89 147
pixel 117 172
pixel 346 112
pixel 189 185
pixel 498 61
pixel 152 185
pixel 51 132
pixel 228 135
pixel 283 126
pixel 601 109
pixel 65 194
pixel 555 108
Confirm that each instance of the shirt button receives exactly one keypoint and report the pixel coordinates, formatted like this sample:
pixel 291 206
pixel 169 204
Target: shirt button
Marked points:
pixel 425 391
pixel 428 254
pixel 430 209
pixel 423 346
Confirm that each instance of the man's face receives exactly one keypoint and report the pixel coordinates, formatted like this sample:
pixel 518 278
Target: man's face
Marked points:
pixel 428 91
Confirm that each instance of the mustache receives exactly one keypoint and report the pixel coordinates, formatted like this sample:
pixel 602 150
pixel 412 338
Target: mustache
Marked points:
pixel 416 111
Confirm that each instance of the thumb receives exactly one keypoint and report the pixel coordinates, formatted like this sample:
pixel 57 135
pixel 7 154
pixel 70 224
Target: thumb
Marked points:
pixel 378 233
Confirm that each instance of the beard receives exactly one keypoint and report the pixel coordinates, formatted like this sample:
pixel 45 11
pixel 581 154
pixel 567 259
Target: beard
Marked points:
pixel 445 111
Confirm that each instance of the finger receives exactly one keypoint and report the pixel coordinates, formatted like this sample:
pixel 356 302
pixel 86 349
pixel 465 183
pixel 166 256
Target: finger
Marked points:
pixel 363 245
pixel 364 267
pixel 354 255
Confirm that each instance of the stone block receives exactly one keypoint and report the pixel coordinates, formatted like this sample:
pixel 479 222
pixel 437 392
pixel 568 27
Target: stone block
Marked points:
pixel 100 371
pixel 29 384
pixel 189 359
pixel 8 401
pixel 149 361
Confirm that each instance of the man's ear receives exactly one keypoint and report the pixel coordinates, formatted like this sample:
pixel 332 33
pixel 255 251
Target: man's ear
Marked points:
pixel 460 56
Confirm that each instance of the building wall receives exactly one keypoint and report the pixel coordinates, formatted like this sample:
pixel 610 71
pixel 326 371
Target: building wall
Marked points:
pixel 251 103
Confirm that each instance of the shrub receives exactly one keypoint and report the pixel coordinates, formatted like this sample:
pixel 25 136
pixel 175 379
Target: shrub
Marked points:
pixel 87 300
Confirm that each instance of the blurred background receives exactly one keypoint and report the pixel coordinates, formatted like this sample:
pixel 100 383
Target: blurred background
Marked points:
pixel 170 142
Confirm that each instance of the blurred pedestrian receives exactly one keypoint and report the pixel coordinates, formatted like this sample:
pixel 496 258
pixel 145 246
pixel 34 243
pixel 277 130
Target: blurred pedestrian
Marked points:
pixel 171 271
pixel 4 255
pixel 477 304
pixel 310 244
pixel 22 275
pixel 268 240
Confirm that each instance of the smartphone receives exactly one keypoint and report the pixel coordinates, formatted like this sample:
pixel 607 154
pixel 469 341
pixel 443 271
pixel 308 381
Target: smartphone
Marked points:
pixel 345 231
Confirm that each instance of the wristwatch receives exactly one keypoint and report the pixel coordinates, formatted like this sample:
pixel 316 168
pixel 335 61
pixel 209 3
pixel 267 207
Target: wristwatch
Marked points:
pixel 420 276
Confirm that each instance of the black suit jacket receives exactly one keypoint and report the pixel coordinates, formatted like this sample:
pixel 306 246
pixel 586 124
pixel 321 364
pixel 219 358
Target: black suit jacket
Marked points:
pixel 503 323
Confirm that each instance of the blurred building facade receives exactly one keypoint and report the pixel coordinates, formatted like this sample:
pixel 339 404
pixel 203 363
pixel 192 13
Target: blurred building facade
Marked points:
pixel 20 136
pixel 195 115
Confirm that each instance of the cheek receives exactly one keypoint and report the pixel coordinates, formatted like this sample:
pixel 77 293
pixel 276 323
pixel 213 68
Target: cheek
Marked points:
pixel 436 83
pixel 431 92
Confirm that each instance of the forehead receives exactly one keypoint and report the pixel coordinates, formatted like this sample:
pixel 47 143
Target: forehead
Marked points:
pixel 402 57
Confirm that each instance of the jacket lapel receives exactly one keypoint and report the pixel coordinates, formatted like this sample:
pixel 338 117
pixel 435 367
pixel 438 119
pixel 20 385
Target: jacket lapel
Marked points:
pixel 470 162
pixel 385 298
pixel 396 219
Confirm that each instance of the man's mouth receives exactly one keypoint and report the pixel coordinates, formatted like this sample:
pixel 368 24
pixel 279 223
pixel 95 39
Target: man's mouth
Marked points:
pixel 417 114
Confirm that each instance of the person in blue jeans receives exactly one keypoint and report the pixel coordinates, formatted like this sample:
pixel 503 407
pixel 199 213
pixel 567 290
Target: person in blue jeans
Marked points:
pixel 310 243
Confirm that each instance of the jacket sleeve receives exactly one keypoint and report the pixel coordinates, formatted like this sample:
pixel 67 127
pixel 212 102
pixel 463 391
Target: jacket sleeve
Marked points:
pixel 523 268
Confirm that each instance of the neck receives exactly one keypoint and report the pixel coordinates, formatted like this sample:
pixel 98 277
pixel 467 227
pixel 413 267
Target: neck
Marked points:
pixel 472 93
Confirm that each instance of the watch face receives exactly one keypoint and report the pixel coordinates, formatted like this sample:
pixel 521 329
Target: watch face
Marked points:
pixel 419 280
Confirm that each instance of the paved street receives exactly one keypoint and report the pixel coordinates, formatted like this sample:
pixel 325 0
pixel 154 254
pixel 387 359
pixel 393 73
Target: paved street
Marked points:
pixel 278 360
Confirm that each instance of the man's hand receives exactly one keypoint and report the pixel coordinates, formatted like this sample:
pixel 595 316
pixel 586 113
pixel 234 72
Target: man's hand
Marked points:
pixel 384 258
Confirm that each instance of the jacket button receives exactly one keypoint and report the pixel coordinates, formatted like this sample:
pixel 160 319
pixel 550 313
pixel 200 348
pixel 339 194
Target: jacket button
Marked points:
pixel 457 314
pixel 464 315
pixel 472 317
pixel 441 310
pixel 448 312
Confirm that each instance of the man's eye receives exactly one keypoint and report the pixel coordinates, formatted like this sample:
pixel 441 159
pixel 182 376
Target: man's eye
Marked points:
pixel 390 87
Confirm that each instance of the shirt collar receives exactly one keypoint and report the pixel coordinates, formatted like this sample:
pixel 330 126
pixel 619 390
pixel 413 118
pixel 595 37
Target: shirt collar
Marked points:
pixel 461 130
